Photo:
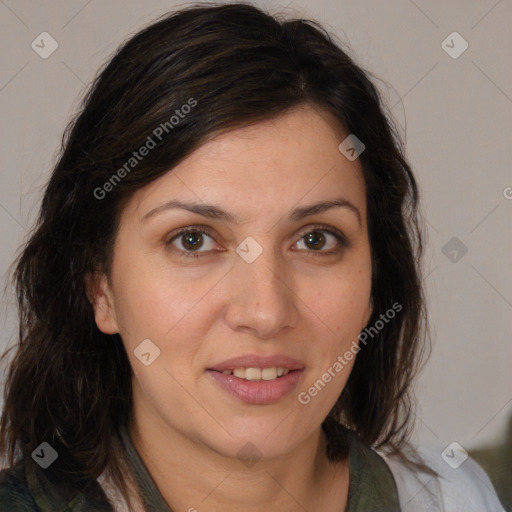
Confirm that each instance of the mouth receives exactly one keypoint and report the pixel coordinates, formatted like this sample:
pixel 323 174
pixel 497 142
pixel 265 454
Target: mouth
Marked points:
pixel 252 374
pixel 257 385
pixel 257 380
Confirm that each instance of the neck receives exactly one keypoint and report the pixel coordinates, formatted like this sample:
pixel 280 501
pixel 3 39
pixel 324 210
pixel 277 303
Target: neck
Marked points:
pixel 192 476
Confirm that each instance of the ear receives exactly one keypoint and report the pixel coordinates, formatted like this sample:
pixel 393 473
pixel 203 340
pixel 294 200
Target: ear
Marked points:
pixel 101 298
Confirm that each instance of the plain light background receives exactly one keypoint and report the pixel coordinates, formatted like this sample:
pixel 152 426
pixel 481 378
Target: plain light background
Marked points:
pixel 455 114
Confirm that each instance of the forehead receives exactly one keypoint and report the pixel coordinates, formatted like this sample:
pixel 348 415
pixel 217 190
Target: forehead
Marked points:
pixel 263 168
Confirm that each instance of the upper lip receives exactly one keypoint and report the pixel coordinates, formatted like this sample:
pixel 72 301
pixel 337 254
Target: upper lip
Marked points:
pixel 255 361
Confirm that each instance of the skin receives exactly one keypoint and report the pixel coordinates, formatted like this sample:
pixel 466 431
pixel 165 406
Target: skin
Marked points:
pixel 291 300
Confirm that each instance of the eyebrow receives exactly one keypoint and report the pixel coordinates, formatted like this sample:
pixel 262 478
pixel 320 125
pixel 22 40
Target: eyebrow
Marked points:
pixel 214 212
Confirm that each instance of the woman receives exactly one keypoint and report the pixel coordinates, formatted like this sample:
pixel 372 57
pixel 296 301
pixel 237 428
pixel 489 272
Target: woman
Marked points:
pixel 220 306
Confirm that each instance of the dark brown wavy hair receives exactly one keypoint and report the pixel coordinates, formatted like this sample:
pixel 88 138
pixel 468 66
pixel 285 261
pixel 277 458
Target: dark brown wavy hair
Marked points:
pixel 70 384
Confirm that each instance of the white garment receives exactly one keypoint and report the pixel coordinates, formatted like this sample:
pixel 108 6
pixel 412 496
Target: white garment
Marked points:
pixel 465 489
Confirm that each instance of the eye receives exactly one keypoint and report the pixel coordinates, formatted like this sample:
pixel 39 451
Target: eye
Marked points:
pixel 323 240
pixel 320 240
pixel 191 239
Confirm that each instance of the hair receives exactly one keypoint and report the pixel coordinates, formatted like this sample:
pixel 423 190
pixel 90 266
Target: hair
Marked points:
pixel 70 384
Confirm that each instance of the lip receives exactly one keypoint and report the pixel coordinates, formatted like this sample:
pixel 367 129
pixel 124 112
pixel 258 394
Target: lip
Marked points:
pixel 255 361
pixel 257 392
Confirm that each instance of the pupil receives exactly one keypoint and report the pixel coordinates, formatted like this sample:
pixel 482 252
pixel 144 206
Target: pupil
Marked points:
pixel 314 238
pixel 192 240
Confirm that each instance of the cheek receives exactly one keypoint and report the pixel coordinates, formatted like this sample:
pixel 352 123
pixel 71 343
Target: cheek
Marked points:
pixel 343 303
pixel 157 302
pixel 173 310
pixel 342 308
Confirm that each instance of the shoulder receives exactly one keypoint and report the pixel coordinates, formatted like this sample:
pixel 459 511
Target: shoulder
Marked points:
pixel 28 488
pixel 465 487
pixel 15 495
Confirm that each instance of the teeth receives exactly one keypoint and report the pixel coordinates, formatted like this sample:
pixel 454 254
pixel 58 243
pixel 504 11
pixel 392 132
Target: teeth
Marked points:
pixel 258 373
pixel 269 373
pixel 253 374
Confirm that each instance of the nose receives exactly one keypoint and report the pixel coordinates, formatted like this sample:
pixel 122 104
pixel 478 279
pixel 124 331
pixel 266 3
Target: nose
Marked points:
pixel 261 298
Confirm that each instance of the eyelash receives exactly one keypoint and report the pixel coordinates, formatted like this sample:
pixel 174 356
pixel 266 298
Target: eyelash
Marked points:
pixel 320 228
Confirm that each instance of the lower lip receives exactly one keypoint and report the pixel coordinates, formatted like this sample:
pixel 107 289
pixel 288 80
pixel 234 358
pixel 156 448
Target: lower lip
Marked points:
pixel 258 392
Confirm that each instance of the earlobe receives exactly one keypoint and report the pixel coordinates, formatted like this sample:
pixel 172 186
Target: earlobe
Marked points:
pixel 101 298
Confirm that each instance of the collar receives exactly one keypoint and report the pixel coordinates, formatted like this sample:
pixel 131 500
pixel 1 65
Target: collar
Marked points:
pixel 372 487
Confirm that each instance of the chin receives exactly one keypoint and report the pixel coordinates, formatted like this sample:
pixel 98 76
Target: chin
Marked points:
pixel 257 438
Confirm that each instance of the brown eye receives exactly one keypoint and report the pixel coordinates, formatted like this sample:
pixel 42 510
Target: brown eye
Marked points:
pixel 190 240
pixel 323 240
pixel 315 240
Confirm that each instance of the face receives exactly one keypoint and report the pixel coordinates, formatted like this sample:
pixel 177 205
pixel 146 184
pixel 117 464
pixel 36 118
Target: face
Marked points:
pixel 260 281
